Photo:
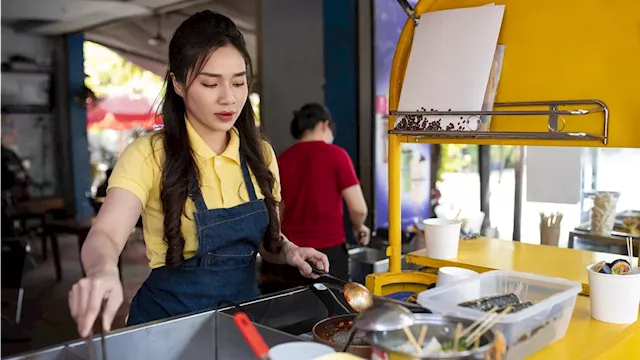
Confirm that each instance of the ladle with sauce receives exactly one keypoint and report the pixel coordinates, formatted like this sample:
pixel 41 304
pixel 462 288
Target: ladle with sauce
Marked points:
pixel 380 318
pixel 357 295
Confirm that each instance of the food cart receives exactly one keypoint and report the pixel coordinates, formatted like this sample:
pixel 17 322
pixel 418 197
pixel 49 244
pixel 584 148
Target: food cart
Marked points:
pixel 569 65
pixel 566 59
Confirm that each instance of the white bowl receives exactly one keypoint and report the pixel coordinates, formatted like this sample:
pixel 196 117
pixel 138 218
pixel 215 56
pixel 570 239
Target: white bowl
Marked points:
pixel 299 350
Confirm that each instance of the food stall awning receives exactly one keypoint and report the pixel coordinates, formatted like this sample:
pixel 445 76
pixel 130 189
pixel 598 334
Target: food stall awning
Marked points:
pixel 130 38
pixel 138 30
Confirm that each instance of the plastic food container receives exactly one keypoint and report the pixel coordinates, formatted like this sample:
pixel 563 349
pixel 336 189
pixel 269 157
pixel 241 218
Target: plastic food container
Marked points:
pixel 545 322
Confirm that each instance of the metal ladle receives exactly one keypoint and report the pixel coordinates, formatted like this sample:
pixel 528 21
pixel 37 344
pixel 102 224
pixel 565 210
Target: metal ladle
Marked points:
pixel 357 295
pixel 383 317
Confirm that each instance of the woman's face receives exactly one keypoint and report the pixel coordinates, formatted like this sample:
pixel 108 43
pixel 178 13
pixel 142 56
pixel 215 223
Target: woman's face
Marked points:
pixel 218 93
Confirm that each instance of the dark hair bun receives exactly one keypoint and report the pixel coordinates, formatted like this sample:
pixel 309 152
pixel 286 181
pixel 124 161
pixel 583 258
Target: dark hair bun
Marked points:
pixel 307 118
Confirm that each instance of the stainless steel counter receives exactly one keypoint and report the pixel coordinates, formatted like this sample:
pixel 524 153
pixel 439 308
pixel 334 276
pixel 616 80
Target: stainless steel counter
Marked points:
pixel 186 337
pixel 281 317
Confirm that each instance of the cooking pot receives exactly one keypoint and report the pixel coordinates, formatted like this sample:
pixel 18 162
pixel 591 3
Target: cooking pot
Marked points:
pixel 388 344
pixel 334 331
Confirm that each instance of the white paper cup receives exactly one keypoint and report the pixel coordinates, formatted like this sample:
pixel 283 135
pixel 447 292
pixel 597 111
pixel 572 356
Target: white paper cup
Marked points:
pixel 299 350
pixel 442 237
pixel 451 274
pixel 614 298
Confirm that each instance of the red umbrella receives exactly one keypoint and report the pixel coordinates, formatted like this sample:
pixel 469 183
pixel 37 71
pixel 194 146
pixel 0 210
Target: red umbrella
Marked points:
pixel 111 123
pixel 122 112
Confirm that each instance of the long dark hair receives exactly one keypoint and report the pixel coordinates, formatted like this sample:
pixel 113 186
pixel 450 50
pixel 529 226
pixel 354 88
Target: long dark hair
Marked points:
pixel 189 49
pixel 307 118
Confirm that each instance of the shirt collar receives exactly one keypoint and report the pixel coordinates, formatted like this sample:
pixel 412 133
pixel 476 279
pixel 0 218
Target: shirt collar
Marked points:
pixel 203 150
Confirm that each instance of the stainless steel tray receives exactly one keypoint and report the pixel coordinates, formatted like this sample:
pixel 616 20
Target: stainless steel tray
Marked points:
pixel 187 337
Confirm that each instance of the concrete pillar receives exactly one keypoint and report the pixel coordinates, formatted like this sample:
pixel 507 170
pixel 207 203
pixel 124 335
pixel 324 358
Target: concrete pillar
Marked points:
pixel 77 119
pixel 291 64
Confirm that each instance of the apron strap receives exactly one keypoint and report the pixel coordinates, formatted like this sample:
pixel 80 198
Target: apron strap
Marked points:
pixel 247 179
pixel 196 195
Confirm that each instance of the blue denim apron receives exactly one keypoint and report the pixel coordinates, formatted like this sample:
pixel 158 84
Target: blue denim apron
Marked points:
pixel 221 270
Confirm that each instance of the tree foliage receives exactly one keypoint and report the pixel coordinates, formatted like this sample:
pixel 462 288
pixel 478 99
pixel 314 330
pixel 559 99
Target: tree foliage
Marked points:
pixel 464 157
pixel 108 73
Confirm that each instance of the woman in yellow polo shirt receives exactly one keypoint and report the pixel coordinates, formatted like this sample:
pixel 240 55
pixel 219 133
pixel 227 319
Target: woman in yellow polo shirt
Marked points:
pixel 207 188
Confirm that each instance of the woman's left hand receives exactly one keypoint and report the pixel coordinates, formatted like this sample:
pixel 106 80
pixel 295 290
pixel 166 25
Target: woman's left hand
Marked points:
pixel 298 257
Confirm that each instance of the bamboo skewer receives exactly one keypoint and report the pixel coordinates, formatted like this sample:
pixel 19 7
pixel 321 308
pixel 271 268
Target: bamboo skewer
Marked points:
pixel 519 289
pixel 481 330
pixel 412 339
pixel 488 326
pixel 482 325
pixel 422 336
pixel 630 251
pixel 455 219
pixel 478 322
pixel 456 339
pixel 551 220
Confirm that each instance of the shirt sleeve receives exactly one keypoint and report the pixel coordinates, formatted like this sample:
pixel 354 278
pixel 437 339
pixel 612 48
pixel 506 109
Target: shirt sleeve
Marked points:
pixel 346 173
pixel 272 162
pixel 135 170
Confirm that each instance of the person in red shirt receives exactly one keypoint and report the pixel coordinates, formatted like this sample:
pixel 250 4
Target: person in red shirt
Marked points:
pixel 316 176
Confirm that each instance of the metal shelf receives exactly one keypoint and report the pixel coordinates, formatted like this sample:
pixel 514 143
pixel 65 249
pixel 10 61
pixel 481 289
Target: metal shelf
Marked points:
pixel 554 132
pixel 26 109
pixel 34 71
pixel 497 135
pixel 25 68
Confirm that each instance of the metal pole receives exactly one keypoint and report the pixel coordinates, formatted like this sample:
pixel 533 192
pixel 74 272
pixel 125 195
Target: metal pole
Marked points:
pixel 484 170
pixel 517 199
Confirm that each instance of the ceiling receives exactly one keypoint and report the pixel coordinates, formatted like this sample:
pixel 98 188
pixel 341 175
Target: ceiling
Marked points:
pixel 126 26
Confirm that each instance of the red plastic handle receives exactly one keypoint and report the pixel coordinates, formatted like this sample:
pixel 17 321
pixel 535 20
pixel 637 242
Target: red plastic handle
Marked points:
pixel 251 334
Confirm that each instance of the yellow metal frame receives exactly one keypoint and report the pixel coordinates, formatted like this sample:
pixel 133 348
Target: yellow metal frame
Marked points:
pixel 398 69
pixel 609 75
pixel 394 281
pixel 613 78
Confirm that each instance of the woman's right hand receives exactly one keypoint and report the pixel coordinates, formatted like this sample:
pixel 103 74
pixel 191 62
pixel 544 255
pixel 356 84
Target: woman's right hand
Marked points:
pixel 86 298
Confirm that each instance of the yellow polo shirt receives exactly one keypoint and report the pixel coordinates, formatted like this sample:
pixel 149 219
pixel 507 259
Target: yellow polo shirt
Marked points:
pixel 222 185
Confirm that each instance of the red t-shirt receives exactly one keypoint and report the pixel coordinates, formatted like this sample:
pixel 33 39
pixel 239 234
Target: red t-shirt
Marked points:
pixel 313 175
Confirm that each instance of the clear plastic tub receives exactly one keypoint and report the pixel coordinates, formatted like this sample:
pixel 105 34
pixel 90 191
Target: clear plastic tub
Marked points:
pixel 550 315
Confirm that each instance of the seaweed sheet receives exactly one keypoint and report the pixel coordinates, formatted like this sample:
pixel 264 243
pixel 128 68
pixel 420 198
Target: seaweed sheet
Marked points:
pixel 490 302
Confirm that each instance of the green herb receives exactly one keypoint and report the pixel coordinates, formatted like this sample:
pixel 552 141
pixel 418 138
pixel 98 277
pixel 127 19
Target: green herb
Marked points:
pixel 448 345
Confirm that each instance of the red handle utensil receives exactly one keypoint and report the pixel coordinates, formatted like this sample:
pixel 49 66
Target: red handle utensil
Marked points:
pixel 251 334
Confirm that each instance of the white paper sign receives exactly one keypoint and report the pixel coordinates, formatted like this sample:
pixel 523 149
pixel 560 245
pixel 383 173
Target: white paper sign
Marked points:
pixel 449 66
